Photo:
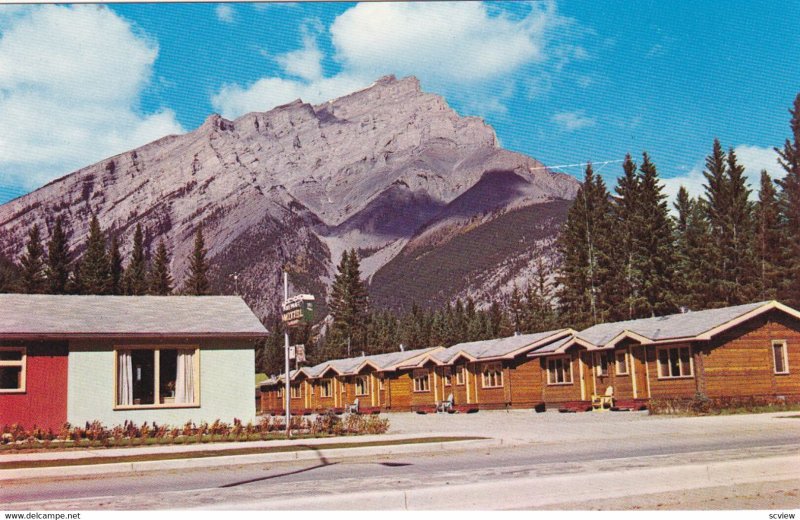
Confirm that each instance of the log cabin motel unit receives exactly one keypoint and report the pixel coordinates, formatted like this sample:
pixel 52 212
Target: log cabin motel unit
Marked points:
pixel 743 351
pixel 168 359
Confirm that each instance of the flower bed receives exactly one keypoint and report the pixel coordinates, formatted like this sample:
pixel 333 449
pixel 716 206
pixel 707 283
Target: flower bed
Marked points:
pixel 95 434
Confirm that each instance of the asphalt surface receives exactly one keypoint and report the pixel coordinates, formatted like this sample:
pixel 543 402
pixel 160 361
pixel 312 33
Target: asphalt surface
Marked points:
pixel 637 443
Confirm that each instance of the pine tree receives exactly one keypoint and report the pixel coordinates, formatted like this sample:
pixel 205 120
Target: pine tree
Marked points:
pixel 160 275
pixel 789 159
pixel 116 271
pixel 628 219
pixel 769 240
pixel 740 235
pixel 586 246
pixel 136 273
pixel 197 283
pixel 716 201
pixel 95 267
pixel 32 263
pixel 9 275
pixel 517 310
pixel 693 258
pixel 348 306
pixel 57 268
pixel 655 248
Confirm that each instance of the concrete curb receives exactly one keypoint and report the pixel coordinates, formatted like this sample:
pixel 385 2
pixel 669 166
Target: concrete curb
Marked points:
pixel 234 460
pixel 539 491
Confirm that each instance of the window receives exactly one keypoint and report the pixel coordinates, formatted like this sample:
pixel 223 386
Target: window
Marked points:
pixel 325 388
pixel 461 372
pixel 295 391
pixel 362 385
pixel 621 362
pixel 343 385
pixel 492 375
pixel 601 359
pixel 422 381
pixel 559 371
pixel 780 357
pixel 446 375
pixel 12 369
pixel 674 362
pixel 157 377
pixel 380 382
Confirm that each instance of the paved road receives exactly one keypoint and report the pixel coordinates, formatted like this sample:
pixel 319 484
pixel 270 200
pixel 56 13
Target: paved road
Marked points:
pixel 594 451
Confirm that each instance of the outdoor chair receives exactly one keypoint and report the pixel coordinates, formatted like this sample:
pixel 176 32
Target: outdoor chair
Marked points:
pixel 353 408
pixel 605 401
pixel 446 406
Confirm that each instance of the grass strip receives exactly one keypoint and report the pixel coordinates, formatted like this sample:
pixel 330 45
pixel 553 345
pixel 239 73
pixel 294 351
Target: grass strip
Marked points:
pixel 20 464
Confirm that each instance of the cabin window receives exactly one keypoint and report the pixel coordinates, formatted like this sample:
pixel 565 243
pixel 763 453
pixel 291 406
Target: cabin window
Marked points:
pixel 559 371
pixel 362 385
pixel 461 371
pixel 343 385
pixel 621 363
pixel 779 357
pixel 446 375
pixel 295 391
pixel 422 381
pixel 675 362
pixel 601 358
pixel 380 382
pixel 157 377
pixel 325 388
pixel 12 369
pixel 492 375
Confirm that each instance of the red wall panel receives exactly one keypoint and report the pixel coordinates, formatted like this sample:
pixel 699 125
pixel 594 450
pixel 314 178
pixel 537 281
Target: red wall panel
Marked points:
pixel 44 402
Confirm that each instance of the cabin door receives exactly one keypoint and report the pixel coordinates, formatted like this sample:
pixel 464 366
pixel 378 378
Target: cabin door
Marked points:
pixel 586 376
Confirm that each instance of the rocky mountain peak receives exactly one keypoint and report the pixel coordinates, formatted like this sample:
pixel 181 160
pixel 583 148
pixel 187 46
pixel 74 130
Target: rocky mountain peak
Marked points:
pixel 375 170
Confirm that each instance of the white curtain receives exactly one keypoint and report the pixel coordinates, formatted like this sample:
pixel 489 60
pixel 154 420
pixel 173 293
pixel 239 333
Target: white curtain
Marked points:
pixel 184 380
pixel 125 378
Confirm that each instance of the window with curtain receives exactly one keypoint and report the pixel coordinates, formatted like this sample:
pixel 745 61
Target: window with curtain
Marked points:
pixel 157 377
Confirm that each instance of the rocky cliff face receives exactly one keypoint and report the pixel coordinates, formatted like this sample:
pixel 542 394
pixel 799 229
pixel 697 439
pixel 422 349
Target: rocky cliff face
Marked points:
pixel 384 170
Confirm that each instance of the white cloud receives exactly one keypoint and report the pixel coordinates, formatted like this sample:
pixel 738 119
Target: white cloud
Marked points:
pixel 571 121
pixel 70 81
pixel 753 158
pixel 442 43
pixel 305 63
pixel 225 13
pixel 232 100
pixel 448 41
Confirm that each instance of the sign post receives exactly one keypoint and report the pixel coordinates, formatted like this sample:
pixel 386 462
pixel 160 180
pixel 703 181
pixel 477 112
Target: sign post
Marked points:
pixel 296 310
pixel 286 366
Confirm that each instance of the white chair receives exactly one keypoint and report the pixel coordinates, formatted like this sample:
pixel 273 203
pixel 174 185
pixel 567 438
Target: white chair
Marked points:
pixel 604 402
pixel 353 408
pixel 446 406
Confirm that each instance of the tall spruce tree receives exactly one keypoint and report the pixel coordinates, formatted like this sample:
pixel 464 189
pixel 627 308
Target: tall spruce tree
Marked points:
pixel 789 159
pixel 95 268
pixel 197 283
pixel 116 272
pixel 348 304
pixel 136 272
pixel 770 244
pixel 58 263
pixel 654 245
pixel 32 278
pixel 740 235
pixel 716 201
pixel 160 277
pixel 586 246
pixel 629 221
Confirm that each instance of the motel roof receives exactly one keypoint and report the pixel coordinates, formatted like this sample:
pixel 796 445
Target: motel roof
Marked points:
pixel 690 326
pixel 491 349
pixel 69 316
pixel 350 366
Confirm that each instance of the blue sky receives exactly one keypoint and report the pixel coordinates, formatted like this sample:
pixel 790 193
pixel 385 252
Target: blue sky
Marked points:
pixel 563 82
